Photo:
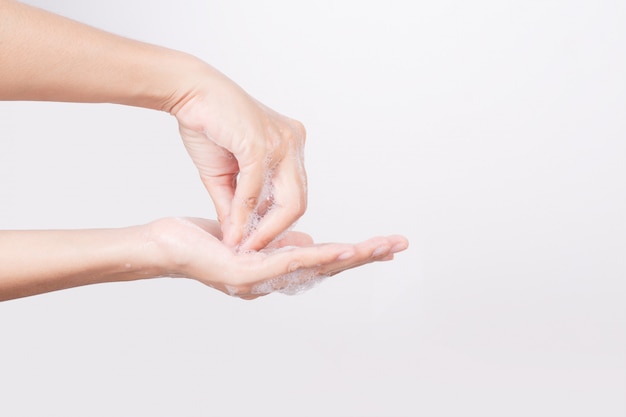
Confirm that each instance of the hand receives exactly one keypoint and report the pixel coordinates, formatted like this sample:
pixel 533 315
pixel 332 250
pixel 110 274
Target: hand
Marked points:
pixel 192 248
pixel 250 159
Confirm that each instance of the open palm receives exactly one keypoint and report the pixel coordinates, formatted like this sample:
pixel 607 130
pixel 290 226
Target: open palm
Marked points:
pixel 193 249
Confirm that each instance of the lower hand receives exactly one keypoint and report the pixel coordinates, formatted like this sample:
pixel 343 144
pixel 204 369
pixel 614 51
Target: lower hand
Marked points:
pixel 191 248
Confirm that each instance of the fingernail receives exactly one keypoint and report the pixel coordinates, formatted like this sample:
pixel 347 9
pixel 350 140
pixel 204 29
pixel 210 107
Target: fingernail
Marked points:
pixel 380 251
pixel 346 255
pixel 398 247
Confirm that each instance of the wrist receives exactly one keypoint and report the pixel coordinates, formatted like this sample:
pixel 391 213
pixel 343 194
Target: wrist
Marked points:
pixel 161 252
pixel 164 79
pixel 184 247
pixel 135 255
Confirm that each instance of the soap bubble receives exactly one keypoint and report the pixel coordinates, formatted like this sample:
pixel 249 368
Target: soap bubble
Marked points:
pixel 292 283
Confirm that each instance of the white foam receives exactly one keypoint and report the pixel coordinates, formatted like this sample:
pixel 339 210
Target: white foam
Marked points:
pixel 232 290
pixel 265 198
pixel 295 282
pixel 292 283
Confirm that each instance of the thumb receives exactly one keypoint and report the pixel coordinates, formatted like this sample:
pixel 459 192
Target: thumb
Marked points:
pixel 221 189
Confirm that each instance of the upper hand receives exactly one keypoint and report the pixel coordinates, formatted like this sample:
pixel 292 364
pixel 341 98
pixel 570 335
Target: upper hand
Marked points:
pixel 250 159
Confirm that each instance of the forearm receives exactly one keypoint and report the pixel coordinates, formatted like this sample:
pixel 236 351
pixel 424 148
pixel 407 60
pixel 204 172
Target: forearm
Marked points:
pixel 47 57
pixel 35 262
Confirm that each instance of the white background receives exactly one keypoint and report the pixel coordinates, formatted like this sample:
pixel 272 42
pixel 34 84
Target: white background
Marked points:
pixel 490 133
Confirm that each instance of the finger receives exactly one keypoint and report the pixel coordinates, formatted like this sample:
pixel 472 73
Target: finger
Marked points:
pixel 322 257
pixel 217 168
pixel 301 275
pixel 288 205
pixel 374 250
pixel 290 259
pixel 222 190
pixel 333 256
pixel 295 270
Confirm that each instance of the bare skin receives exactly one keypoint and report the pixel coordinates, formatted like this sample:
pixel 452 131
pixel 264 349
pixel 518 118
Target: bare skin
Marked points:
pixel 235 142
pixel 249 158
pixel 36 262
